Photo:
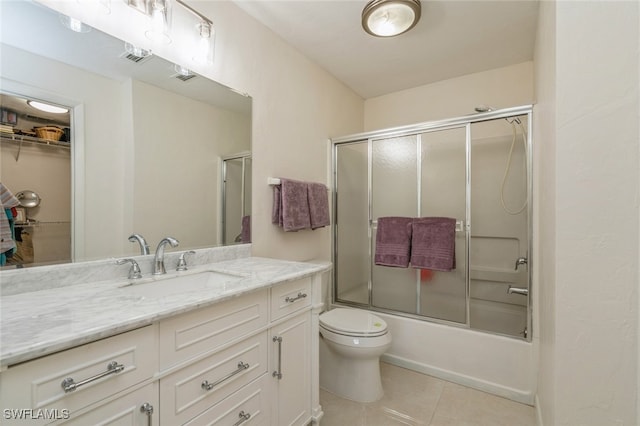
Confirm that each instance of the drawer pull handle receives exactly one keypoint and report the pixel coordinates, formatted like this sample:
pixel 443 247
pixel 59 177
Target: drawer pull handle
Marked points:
pixel 298 297
pixel 147 409
pixel 69 385
pixel 243 418
pixel 241 367
pixel 278 372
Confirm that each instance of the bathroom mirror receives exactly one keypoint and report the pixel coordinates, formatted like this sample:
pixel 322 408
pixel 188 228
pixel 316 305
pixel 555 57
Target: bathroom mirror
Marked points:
pixel 147 142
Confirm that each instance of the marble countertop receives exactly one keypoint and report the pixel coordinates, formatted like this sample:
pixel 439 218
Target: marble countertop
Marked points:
pixel 38 323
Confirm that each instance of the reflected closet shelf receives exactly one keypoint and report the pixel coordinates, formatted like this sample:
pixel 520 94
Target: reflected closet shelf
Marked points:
pixel 19 140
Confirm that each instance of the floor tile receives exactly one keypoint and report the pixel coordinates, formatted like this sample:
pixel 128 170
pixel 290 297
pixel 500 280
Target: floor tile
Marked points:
pixel 416 399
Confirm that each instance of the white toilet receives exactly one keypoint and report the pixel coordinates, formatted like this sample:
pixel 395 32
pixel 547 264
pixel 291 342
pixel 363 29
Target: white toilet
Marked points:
pixel 351 342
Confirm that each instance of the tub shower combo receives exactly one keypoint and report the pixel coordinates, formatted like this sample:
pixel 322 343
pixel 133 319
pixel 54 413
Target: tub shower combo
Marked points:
pixel 476 169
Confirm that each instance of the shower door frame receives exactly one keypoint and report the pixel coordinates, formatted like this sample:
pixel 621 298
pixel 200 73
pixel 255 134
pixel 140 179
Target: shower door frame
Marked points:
pixel 243 157
pixel 464 122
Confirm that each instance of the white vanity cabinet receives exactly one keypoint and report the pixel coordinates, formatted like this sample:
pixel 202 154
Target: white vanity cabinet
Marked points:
pixel 245 360
pixel 34 391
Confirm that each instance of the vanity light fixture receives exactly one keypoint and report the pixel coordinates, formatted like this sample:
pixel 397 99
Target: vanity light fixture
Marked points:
pixel 159 13
pixel 74 24
pixel 388 18
pixel 48 107
pixel 159 21
pixel 204 50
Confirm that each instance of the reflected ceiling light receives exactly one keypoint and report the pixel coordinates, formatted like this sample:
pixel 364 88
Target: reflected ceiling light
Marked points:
pixel 159 21
pixel 48 107
pixel 388 18
pixel 183 71
pixel 136 51
pixel 74 24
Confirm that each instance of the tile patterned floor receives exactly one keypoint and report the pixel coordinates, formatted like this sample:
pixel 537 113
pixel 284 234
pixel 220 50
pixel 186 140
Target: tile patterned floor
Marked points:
pixel 415 399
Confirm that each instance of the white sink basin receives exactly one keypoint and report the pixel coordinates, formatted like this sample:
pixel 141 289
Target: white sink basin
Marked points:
pixel 207 281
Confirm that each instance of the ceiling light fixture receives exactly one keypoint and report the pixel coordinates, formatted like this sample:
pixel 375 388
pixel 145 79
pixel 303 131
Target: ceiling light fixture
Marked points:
pixel 48 107
pixel 388 18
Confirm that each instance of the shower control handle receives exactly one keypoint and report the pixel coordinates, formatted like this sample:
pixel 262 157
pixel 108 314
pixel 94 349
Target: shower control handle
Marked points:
pixel 521 261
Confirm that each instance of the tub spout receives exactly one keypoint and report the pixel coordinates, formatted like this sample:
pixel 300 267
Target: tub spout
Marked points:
pixel 518 290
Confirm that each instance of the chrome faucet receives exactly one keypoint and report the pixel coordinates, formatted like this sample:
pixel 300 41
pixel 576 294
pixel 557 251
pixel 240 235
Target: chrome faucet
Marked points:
pixel 521 261
pixel 144 247
pixel 158 260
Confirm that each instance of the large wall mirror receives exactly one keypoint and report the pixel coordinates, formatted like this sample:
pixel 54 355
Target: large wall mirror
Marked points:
pixel 142 150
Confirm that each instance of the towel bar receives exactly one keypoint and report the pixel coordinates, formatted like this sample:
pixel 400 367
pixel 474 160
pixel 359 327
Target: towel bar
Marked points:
pixel 459 225
pixel 276 181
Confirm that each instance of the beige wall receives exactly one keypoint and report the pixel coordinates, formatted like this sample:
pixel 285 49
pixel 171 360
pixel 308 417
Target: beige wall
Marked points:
pixel 589 98
pixel 500 88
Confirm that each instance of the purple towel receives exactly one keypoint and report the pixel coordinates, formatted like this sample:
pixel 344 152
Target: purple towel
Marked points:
pixel 294 205
pixel 393 241
pixel 245 233
pixel 318 205
pixel 275 209
pixel 433 243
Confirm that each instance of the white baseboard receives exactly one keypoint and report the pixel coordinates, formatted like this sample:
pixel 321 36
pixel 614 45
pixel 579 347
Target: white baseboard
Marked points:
pixel 461 379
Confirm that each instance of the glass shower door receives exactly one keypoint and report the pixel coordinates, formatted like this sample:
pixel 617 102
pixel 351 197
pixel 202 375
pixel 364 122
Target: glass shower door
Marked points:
pixel 500 234
pixel 394 185
pixel 443 193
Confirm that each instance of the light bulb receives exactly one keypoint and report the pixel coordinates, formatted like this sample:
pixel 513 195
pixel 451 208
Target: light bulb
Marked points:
pixel 159 22
pixel 204 48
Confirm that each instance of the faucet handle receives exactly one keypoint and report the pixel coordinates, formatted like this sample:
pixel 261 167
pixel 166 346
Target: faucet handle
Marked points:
pixel 521 261
pixel 134 271
pixel 182 263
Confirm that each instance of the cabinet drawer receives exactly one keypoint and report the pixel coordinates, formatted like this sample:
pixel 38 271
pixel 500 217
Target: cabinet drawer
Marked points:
pixel 38 384
pixel 122 411
pixel 249 406
pixel 188 335
pixel 193 389
pixel 290 297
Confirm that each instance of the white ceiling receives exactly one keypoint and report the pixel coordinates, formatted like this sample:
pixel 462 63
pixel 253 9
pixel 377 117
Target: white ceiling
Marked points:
pixel 453 38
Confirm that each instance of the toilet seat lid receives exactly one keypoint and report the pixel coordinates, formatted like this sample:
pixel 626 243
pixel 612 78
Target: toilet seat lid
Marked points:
pixel 353 322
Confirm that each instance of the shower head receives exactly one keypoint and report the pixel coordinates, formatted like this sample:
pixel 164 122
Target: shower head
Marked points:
pixel 486 108
pixel 483 108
